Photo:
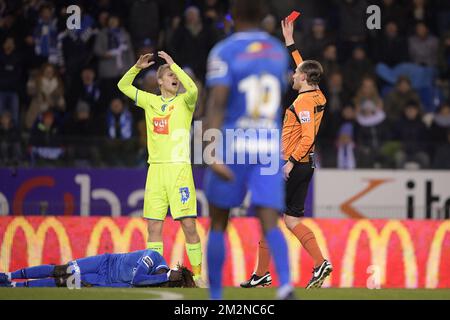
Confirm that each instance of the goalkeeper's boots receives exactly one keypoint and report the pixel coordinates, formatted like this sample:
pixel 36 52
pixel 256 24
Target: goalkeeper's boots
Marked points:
pixel 320 273
pixel 255 281
pixel 4 278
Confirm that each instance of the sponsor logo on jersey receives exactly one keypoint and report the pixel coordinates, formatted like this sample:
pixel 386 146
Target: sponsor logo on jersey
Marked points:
pixel 161 125
pixel 258 46
pixel 305 116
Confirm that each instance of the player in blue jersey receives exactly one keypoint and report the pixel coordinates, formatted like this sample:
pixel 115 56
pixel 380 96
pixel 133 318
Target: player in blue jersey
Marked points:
pixel 246 77
pixel 144 268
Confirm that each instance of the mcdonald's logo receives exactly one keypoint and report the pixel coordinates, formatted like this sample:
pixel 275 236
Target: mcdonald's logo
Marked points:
pixel 422 258
pixel 434 258
pixel 35 240
pixel 378 243
pixel 121 240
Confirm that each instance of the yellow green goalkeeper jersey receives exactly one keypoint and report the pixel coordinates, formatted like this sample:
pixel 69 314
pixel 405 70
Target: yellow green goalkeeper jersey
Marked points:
pixel 168 120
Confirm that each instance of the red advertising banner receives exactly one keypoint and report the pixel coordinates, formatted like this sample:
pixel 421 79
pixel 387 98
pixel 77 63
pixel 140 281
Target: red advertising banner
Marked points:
pixel 393 253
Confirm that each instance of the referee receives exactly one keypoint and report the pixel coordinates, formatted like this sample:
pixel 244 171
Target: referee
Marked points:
pixel 301 124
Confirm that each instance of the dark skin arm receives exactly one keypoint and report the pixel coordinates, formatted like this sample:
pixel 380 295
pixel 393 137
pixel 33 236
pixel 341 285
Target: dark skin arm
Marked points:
pixel 215 110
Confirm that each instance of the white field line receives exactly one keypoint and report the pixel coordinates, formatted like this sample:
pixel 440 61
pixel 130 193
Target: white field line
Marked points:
pixel 161 295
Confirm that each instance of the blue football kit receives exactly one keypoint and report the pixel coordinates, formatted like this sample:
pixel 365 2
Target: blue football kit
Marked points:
pixel 254 66
pixel 134 269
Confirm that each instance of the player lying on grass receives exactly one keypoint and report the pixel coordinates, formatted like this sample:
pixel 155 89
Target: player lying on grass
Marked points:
pixel 144 268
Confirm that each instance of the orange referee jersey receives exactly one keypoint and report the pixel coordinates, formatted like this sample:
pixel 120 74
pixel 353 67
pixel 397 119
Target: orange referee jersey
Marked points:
pixel 302 121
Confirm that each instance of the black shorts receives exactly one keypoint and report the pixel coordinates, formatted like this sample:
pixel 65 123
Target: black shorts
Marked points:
pixel 297 189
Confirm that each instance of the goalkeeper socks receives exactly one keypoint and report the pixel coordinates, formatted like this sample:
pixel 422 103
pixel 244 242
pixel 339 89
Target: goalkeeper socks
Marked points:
pixel 37 272
pixel 36 283
pixel 216 258
pixel 156 246
pixel 279 250
pixel 263 258
pixel 309 242
pixel 194 252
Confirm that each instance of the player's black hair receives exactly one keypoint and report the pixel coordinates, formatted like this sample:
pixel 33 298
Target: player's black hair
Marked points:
pixel 187 279
pixel 313 70
pixel 251 11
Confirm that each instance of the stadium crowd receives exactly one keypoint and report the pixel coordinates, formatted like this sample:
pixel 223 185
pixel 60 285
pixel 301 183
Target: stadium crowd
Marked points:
pixel 388 90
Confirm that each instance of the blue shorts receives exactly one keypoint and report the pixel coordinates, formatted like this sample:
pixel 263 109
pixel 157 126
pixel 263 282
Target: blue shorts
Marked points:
pixel 94 270
pixel 266 190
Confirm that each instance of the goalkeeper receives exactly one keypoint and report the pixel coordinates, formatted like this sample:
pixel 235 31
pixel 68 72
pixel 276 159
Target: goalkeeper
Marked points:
pixel 169 179
pixel 144 268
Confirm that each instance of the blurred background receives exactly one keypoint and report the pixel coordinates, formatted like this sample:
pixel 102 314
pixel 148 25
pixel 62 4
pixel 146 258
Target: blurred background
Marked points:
pixel 387 90
pixel 71 145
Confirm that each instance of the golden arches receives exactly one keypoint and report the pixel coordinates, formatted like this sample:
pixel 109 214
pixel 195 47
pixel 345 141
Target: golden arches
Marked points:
pixel 378 248
pixel 434 257
pixel 35 241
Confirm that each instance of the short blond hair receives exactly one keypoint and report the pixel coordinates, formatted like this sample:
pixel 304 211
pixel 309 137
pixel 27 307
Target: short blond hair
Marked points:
pixel 161 70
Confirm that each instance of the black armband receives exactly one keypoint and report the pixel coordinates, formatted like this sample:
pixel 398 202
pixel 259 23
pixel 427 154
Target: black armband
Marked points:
pixel 291 47
pixel 292 159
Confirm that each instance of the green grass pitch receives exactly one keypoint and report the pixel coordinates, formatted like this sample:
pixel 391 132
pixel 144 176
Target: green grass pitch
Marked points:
pixel 230 293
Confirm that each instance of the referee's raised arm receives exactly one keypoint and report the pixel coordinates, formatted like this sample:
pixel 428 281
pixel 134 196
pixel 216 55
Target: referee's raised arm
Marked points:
pixel 288 33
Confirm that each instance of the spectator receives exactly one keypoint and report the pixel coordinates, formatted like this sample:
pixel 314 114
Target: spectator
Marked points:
pixel 10 146
pixel 214 11
pixel 420 11
pixel 412 134
pixel 314 42
pixel 372 135
pixel 115 54
pixel 330 60
pixel 345 139
pixel 192 41
pixel 44 36
pixel 423 46
pixel 269 24
pixel 399 97
pixel 391 48
pixel 82 137
pixel 393 11
pixel 90 90
pixel 442 156
pixel 352 24
pixel 440 125
pixel 10 75
pixel 336 95
pixel 356 68
pixel 368 91
pixel 145 20
pixel 47 93
pixel 444 56
pixel 119 130
pixel 45 141
pixel 75 52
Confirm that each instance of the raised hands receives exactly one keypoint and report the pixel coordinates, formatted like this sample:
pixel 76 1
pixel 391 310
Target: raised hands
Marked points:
pixel 144 61
pixel 166 57
pixel 288 31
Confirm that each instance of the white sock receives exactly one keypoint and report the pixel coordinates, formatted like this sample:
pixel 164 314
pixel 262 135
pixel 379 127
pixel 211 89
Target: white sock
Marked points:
pixel 8 274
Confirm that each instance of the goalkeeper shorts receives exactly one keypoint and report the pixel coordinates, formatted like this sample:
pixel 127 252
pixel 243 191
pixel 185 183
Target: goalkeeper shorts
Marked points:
pixel 170 185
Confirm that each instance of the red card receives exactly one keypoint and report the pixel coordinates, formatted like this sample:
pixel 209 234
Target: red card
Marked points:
pixel 293 16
